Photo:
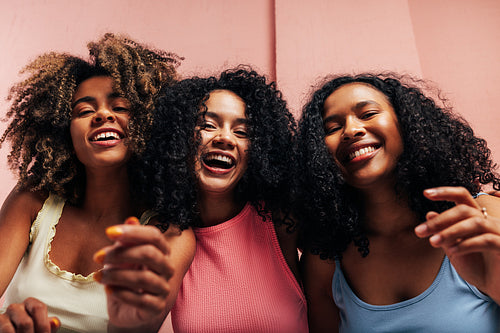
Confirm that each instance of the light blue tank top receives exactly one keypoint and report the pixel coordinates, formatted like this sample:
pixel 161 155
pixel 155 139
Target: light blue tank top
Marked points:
pixel 450 304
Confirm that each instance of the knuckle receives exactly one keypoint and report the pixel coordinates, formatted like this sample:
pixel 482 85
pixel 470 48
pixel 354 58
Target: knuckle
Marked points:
pixel 490 240
pixel 25 324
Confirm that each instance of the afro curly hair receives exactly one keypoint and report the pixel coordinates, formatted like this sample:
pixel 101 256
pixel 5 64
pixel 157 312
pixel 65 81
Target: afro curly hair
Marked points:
pixel 42 152
pixel 440 149
pixel 169 177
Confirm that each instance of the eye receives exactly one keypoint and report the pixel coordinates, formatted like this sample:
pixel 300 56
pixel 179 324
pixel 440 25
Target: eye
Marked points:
pixel 369 114
pixel 241 133
pixel 84 112
pixel 207 126
pixel 120 109
pixel 332 128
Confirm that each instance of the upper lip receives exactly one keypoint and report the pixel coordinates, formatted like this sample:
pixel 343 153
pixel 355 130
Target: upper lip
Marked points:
pixel 343 154
pixel 93 134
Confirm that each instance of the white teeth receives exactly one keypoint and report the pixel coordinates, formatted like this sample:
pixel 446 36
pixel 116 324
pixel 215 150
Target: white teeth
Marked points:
pixel 361 151
pixel 106 135
pixel 221 158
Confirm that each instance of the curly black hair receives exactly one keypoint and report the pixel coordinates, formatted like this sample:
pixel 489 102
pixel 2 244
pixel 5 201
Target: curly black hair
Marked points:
pixel 42 152
pixel 440 149
pixel 168 176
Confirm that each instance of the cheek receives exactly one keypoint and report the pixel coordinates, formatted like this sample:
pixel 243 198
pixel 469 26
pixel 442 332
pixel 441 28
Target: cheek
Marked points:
pixel 76 135
pixel 331 144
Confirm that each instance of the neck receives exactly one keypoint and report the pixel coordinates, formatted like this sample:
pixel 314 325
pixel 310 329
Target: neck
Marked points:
pixel 386 212
pixel 216 209
pixel 107 196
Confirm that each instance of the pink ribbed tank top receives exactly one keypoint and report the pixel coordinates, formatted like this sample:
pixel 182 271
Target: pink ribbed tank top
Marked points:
pixel 239 281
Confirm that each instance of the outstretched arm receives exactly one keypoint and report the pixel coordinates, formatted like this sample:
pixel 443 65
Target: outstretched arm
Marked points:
pixel 143 271
pixel 323 314
pixel 469 233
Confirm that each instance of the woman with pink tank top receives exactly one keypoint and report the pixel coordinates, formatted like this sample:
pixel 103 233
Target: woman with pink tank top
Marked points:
pixel 221 151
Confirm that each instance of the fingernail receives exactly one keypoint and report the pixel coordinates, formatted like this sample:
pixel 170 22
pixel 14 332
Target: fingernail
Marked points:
pixel 99 256
pixel 55 322
pixel 114 232
pixel 435 240
pixel 132 220
pixel 421 229
pixel 98 276
pixel 430 191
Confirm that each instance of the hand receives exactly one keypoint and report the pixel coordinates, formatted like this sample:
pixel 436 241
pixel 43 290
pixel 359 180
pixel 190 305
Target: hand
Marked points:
pixel 29 316
pixel 136 275
pixel 469 237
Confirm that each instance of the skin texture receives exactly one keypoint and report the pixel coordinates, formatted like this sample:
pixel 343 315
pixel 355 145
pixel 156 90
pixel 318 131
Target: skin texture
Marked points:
pixel 405 254
pixel 91 237
pixel 358 117
pixel 223 132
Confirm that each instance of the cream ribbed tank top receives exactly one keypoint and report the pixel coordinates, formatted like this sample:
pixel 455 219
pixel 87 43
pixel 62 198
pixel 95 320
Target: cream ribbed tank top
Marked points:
pixel 78 301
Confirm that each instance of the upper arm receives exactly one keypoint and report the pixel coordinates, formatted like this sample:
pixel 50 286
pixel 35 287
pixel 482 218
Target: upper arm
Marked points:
pixel 182 248
pixel 323 314
pixel 16 217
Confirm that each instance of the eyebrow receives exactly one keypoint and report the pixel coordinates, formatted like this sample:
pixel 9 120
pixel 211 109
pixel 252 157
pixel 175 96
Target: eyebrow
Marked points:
pixel 363 104
pixel 216 116
pixel 87 99
pixel 356 107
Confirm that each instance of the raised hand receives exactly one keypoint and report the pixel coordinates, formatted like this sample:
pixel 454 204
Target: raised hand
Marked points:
pixel 29 316
pixel 136 274
pixel 468 235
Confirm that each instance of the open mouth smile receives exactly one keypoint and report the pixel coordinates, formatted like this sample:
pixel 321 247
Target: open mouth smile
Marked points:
pixel 218 163
pixel 360 153
pixel 106 137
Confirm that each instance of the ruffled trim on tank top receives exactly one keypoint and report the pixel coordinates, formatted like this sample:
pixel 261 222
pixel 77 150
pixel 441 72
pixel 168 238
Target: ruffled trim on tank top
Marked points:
pixel 53 268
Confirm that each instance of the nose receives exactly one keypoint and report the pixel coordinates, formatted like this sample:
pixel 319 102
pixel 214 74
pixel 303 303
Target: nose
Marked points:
pixel 353 128
pixel 103 114
pixel 224 138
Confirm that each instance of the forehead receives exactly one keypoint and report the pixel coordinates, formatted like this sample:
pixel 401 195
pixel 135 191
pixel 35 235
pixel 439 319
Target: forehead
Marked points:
pixel 352 93
pixel 226 102
pixel 94 86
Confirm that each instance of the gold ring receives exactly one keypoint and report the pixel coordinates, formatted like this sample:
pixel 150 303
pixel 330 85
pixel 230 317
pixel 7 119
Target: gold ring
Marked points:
pixel 485 213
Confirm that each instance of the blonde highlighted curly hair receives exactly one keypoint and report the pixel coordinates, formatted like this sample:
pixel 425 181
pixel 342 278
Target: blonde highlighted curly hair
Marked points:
pixel 42 152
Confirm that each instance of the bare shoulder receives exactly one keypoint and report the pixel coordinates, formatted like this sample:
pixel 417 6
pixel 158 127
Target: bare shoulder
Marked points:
pixel 21 203
pixel 318 270
pixel 323 314
pixel 181 241
pixel 491 203
pixel 16 216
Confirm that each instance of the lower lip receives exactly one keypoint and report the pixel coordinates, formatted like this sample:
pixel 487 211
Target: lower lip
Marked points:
pixel 217 171
pixel 106 143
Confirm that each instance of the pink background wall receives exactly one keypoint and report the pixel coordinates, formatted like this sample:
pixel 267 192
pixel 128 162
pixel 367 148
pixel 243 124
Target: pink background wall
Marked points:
pixel 455 43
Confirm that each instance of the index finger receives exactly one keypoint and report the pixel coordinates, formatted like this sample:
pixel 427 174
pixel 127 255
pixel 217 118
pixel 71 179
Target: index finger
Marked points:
pixel 129 234
pixel 457 194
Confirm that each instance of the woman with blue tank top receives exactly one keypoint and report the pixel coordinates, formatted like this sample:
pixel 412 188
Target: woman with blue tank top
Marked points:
pixel 395 239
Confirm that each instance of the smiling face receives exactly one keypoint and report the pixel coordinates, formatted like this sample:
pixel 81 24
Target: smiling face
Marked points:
pixel 99 124
pixel 362 134
pixel 222 156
